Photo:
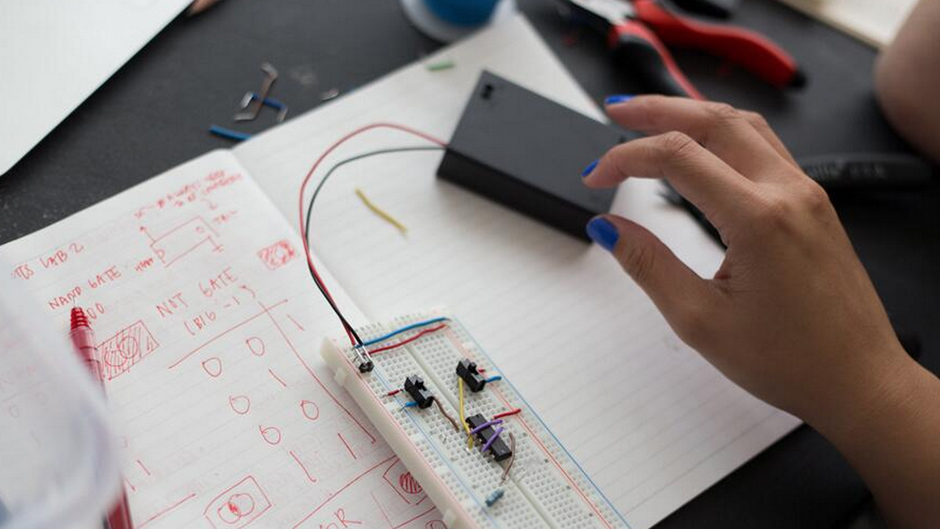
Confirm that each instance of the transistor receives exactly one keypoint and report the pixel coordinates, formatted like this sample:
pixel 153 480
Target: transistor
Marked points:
pixel 485 435
pixel 414 386
pixel 467 370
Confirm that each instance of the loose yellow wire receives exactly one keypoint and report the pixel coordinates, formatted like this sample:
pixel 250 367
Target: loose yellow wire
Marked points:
pixel 380 212
pixel 463 420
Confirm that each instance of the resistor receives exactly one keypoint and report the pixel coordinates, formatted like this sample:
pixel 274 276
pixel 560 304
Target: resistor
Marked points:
pixel 494 497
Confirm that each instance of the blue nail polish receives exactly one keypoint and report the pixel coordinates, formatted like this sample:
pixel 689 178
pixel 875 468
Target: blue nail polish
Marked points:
pixel 587 170
pixel 613 100
pixel 601 231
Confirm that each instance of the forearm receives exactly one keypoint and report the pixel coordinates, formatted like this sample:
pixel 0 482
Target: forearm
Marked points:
pixel 891 436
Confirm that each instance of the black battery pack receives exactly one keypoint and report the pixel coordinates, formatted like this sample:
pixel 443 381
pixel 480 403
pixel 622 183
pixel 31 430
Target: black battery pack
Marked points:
pixel 528 152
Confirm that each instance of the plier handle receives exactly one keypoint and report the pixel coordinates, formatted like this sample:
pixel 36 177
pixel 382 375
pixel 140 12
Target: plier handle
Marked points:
pixel 638 32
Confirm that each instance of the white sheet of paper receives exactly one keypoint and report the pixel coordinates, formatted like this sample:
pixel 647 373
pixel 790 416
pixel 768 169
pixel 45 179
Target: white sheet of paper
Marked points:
pixel 651 421
pixel 210 331
pixel 874 22
pixel 55 54
pixel 210 325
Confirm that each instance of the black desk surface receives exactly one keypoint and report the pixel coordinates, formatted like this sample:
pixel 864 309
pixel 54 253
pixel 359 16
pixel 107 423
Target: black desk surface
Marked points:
pixel 153 115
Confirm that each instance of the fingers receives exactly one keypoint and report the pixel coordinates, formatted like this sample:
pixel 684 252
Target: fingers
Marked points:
pixel 697 174
pixel 681 295
pixel 742 139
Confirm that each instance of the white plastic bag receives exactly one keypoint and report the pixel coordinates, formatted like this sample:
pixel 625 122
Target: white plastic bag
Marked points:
pixel 57 456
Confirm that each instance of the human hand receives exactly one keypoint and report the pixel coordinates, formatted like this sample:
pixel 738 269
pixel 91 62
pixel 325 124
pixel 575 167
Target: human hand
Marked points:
pixel 791 315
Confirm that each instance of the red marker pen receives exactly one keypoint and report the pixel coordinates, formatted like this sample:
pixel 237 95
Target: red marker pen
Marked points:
pixel 83 338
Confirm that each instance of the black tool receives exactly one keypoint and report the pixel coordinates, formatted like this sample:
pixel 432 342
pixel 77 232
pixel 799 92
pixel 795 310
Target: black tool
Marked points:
pixel 840 173
pixel 863 171
pixel 638 31
pixel 711 8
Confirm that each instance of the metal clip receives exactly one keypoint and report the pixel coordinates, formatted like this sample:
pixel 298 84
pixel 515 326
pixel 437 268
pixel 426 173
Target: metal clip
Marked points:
pixel 252 113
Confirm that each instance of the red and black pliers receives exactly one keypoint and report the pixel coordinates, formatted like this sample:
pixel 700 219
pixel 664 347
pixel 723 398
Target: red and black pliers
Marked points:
pixel 638 32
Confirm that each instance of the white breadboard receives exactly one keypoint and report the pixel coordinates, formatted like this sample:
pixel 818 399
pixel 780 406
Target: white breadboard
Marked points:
pixel 545 486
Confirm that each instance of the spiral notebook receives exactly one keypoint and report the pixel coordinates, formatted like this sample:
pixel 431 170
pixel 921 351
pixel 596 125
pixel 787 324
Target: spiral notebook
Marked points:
pixel 210 325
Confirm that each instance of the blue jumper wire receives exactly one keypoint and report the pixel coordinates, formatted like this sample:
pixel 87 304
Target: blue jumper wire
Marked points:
pixel 399 331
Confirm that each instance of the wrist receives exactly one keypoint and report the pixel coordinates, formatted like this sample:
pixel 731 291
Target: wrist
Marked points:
pixel 890 439
pixel 876 403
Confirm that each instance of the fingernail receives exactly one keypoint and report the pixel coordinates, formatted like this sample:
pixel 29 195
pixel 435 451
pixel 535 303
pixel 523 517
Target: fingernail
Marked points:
pixel 613 100
pixel 601 231
pixel 587 170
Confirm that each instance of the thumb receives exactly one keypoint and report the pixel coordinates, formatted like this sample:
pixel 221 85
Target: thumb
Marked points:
pixel 679 293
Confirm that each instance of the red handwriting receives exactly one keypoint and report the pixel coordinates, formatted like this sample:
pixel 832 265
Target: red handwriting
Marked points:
pixel 277 255
pixel 299 326
pixel 274 375
pixel 352 482
pixel 180 241
pixel 240 404
pixel 243 289
pixel 310 410
pixel 224 217
pixel 54 259
pixel 190 192
pixel 302 467
pixel 219 179
pixel 65 300
pixel 399 486
pixel 144 264
pixel 126 348
pixel 409 484
pixel 94 310
pixel 142 467
pixel 107 276
pixel 249 291
pixel 223 333
pixel 341 521
pixel 237 506
pixel 23 271
pixel 266 312
pixel 164 511
pixel 200 322
pixel 60 256
pixel 392 525
pixel 213 285
pixel 271 434
pixel 167 307
pixel 348 448
pixel 255 345
pixel 212 366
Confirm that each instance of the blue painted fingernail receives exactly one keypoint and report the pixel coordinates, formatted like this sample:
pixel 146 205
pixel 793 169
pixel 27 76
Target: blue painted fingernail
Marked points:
pixel 613 100
pixel 587 170
pixel 601 231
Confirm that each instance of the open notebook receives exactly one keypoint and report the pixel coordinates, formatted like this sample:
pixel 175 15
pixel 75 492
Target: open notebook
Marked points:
pixel 210 325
